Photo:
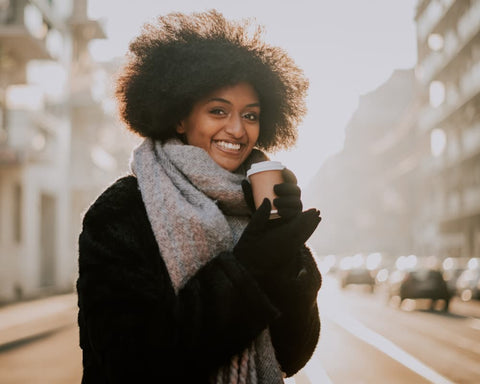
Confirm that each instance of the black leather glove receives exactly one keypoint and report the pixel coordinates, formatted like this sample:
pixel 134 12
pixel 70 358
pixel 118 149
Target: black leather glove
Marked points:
pixel 288 202
pixel 264 246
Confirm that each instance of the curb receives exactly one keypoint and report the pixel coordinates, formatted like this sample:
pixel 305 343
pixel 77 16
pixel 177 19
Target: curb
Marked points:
pixel 23 322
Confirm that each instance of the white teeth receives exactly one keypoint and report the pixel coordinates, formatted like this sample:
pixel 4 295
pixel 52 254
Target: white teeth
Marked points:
pixel 227 145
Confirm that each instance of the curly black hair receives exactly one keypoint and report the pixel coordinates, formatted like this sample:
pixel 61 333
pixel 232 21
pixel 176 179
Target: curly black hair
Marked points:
pixel 181 58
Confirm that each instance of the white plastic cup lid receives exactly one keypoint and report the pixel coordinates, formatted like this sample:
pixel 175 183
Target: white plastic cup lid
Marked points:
pixel 265 166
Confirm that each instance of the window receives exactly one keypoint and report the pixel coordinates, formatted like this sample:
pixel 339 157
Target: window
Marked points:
pixel 435 42
pixel 437 93
pixel 17 213
pixel 34 21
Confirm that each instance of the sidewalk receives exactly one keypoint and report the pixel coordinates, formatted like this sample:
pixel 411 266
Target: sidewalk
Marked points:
pixel 465 308
pixel 24 321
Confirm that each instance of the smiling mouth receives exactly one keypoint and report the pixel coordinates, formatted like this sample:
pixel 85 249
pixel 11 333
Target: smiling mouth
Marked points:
pixel 228 146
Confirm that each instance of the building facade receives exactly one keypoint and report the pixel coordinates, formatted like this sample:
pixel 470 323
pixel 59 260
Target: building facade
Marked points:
pixel 448 40
pixel 366 191
pixel 52 162
pixel 408 181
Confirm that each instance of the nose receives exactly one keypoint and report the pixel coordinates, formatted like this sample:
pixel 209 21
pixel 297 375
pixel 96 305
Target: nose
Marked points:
pixel 235 127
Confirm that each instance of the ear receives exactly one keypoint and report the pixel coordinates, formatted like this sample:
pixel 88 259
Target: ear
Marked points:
pixel 180 128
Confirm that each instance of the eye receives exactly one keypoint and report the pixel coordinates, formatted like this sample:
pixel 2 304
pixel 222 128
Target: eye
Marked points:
pixel 218 111
pixel 251 116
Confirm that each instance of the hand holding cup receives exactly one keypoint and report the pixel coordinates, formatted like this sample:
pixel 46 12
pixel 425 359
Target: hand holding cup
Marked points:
pixel 277 183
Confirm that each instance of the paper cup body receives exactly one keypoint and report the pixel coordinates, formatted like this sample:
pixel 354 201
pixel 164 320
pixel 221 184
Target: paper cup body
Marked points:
pixel 263 176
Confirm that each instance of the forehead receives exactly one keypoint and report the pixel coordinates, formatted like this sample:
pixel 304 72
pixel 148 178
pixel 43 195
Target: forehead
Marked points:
pixel 241 92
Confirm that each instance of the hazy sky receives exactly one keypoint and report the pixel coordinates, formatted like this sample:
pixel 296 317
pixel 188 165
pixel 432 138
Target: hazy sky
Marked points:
pixel 345 47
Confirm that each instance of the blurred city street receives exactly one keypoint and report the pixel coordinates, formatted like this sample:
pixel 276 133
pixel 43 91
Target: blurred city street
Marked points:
pixel 377 341
pixel 381 343
pixel 389 153
pixel 39 342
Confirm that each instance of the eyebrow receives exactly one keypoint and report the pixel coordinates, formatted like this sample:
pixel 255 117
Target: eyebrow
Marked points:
pixel 228 102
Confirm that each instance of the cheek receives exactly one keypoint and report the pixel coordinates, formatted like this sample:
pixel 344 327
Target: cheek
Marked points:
pixel 200 138
pixel 204 128
pixel 255 134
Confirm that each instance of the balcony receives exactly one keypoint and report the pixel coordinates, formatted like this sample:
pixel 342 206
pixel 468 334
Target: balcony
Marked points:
pixel 431 165
pixel 33 139
pixel 470 81
pixel 10 156
pixel 430 65
pixel 467 27
pixel 468 23
pixel 21 44
pixel 428 117
pixel 453 205
pixel 471 139
pixel 458 155
pixel 471 200
pixel 88 29
pixel 469 85
pixel 432 15
pixel 23 32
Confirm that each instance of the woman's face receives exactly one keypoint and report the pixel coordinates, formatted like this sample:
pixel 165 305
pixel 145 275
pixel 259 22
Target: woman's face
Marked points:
pixel 226 124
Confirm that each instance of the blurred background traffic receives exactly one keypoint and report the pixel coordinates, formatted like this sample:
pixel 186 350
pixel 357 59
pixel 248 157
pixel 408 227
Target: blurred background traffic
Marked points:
pixel 399 243
pixel 404 193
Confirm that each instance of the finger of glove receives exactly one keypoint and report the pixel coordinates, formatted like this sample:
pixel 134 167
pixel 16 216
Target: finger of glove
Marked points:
pixel 284 189
pixel 288 213
pixel 288 202
pixel 289 176
pixel 303 226
pixel 288 207
pixel 247 192
pixel 260 217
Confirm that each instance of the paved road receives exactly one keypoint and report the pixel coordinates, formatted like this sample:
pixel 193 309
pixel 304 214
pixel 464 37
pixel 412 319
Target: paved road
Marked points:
pixel 364 340
pixel 54 358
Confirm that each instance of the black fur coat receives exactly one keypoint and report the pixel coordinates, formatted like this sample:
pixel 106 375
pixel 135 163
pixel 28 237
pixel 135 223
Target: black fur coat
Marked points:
pixel 134 329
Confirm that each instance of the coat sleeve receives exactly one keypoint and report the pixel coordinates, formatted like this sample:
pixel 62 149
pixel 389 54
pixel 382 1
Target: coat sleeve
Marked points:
pixel 132 325
pixel 296 331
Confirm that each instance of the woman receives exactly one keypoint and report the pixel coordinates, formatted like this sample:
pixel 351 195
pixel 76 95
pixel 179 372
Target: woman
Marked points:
pixel 181 280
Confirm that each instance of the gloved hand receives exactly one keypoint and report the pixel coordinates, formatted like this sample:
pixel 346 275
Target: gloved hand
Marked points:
pixel 288 202
pixel 298 290
pixel 264 246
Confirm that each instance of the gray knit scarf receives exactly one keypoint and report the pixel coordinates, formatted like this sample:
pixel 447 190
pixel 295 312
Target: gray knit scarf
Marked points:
pixel 197 210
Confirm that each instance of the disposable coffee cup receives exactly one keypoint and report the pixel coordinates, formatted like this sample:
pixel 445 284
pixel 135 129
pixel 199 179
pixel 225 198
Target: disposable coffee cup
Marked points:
pixel 263 176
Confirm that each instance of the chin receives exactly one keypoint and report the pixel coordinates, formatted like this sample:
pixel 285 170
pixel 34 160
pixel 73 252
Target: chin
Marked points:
pixel 230 169
pixel 228 165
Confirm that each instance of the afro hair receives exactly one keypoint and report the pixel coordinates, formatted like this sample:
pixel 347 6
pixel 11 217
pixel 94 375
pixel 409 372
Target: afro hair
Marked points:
pixel 181 58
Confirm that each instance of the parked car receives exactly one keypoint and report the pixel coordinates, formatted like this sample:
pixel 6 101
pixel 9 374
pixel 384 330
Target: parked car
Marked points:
pixel 468 284
pixel 357 276
pixel 421 283
pixel 451 277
